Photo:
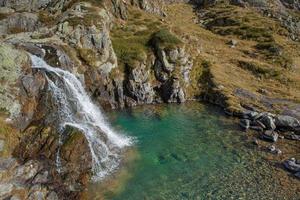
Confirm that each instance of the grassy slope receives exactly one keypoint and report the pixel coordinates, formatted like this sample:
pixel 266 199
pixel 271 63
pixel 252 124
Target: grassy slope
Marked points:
pixel 205 45
pixel 257 36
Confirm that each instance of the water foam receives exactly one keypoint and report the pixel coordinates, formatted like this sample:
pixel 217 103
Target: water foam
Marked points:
pixel 76 109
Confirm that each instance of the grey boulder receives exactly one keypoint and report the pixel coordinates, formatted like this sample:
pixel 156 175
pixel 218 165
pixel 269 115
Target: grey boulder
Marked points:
pixel 287 122
pixel 268 121
pixel 270 136
pixel 292 165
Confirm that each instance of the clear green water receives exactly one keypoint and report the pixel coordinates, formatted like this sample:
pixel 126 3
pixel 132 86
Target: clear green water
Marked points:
pixel 190 151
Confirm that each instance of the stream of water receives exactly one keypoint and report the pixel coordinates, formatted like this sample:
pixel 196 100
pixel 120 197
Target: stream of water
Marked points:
pixel 74 108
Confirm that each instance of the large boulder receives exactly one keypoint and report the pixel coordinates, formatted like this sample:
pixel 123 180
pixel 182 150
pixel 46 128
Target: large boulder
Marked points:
pixel 12 62
pixel 27 5
pixel 139 85
pixel 292 4
pixel 286 122
pixel 19 22
pixel 268 121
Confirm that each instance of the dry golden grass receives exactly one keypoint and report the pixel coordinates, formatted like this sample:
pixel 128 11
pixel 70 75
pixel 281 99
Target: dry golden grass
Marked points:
pixel 205 45
pixel 133 36
pixel 10 135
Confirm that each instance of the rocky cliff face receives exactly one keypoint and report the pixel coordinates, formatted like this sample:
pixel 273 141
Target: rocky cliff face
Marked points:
pixel 237 54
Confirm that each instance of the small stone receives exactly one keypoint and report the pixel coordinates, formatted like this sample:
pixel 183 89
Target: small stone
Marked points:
pixel 52 196
pixel 255 141
pixel 281 137
pixel 292 165
pixel 270 136
pixel 41 178
pixel 261 125
pixel 248 114
pixel 278 151
pixel 258 116
pixel 245 123
pixel 293 136
pixel 263 91
pixel 27 171
pixel 15 198
pixel 274 150
pixel 268 121
pixel 233 43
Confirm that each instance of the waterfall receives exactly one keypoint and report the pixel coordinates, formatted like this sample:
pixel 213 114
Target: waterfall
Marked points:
pixel 75 108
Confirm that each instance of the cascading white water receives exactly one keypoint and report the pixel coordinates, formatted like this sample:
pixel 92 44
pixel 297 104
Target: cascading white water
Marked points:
pixel 76 109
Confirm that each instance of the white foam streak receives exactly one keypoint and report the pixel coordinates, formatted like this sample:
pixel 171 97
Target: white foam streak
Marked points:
pixel 77 110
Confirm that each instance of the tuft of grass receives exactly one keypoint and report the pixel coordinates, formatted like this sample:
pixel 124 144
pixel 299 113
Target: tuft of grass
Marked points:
pixel 46 18
pixel 259 70
pixel 129 51
pixel 164 38
pixel 270 47
pixel 275 53
pixel 3 16
pixel 15 30
pixel 87 20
